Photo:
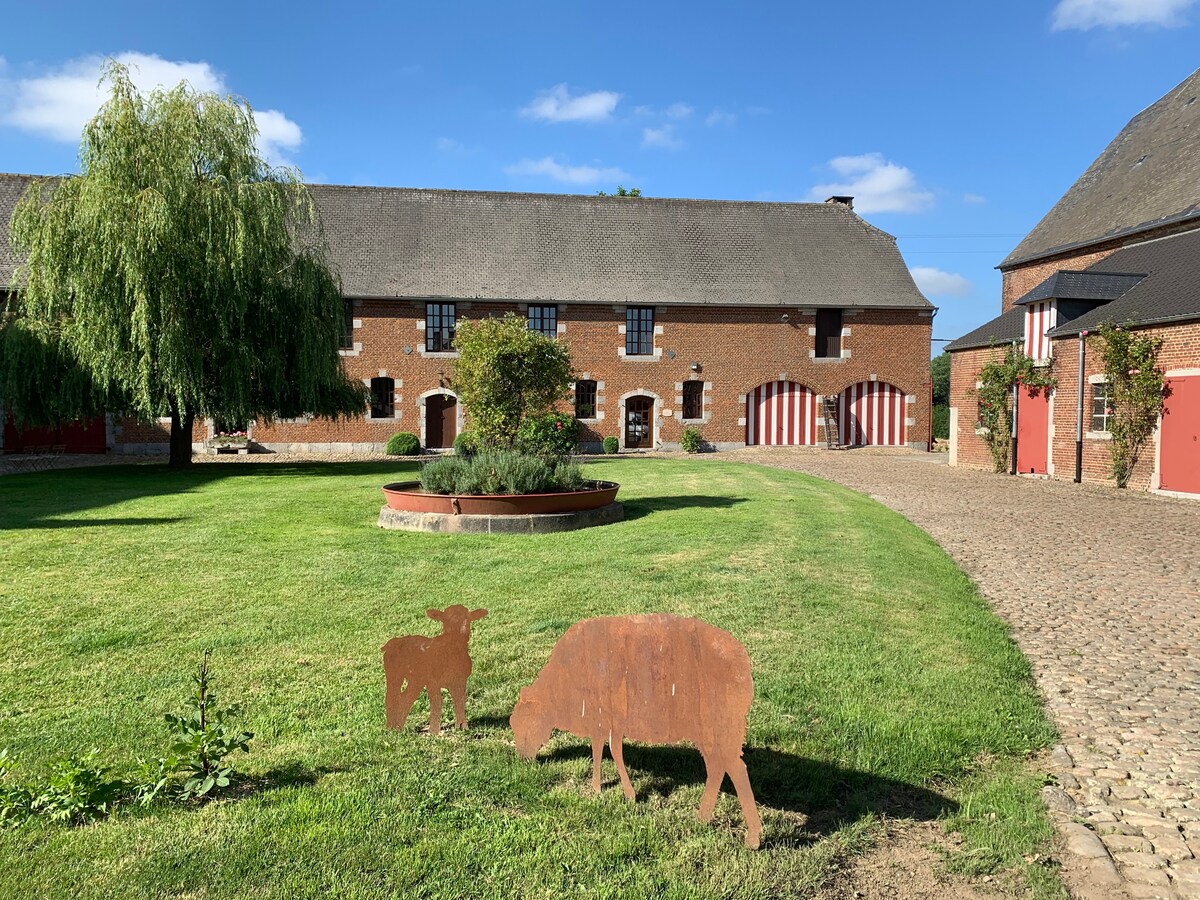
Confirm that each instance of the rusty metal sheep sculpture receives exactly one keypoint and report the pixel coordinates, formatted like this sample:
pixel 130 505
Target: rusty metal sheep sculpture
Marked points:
pixel 415 663
pixel 655 678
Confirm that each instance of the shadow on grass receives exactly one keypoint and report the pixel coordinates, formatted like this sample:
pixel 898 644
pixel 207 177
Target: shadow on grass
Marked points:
pixel 288 775
pixel 645 506
pixel 828 795
pixel 42 499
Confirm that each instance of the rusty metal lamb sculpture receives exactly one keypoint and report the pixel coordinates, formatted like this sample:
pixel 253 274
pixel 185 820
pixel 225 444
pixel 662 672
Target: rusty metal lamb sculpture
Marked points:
pixel 415 663
pixel 656 678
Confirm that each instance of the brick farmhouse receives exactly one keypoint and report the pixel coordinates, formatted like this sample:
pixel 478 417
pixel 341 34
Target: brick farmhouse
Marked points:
pixel 736 318
pixel 1121 246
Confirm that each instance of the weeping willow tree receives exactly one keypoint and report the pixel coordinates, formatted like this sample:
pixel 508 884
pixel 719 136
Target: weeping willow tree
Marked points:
pixel 179 273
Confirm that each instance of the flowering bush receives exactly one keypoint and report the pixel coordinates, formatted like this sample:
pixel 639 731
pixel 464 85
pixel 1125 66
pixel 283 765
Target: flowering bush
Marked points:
pixel 997 380
pixel 230 438
pixel 550 434
pixel 1136 386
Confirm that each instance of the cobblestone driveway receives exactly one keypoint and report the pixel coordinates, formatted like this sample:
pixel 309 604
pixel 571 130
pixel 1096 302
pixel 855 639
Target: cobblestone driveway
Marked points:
pixel 1102 590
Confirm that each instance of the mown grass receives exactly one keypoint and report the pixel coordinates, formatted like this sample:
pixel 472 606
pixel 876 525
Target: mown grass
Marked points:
pixel 882 681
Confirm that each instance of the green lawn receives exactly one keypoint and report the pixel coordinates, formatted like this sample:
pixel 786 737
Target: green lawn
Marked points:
pixel 885 686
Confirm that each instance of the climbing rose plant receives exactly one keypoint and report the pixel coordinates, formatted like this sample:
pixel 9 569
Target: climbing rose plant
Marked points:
pixel 1135 389
pixel 996 382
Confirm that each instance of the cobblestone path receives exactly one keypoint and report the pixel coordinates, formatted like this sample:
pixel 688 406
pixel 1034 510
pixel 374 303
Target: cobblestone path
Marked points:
pixel 1102 590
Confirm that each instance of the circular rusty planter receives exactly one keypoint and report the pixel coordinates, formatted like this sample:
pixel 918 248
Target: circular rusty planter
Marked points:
pixel 407 496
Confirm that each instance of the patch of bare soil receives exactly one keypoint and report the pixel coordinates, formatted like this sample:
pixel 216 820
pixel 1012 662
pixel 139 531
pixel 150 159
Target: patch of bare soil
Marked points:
pixel 906 865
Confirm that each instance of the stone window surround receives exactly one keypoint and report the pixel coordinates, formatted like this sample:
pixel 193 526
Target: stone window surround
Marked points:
pixel 397 399
pixel 422 305
pixel 656 356
pixel 705 402
pixel 1090 434
pixel 655 418
pixel 599 413
pixel 437 392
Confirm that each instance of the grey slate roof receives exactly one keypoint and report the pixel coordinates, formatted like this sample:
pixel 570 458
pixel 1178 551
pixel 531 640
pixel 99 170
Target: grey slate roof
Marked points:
pixel 1003 329
pixel 1086 285
pixel 11 189
pixel 1147 177
pixel 1169 293
pixel 405 242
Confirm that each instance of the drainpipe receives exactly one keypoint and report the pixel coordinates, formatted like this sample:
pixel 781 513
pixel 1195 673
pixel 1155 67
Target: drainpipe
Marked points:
pixel 1015 396
pixel 1079 412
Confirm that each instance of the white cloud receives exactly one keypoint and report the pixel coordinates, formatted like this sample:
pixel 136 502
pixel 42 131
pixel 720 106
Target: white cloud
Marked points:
pixel 557 105
pixel 679 110
pixel 452 146
pixel 937 283
pixel 57 105
pixel 974 199
pixel 720 117
pixel 568 174
pixel 664 138
pixel 876 185
pixel 1087 14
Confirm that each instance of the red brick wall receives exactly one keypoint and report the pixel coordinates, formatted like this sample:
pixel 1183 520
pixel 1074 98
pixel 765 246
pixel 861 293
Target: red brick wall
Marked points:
pixel 1181 350
pixel 969 449
pixel 1019 280
pixel 738 348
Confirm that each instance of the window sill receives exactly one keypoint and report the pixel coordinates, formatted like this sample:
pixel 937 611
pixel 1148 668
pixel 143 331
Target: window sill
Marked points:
pixel 438 354
pixel 983 432
pixel 1098 435
pixel 829 359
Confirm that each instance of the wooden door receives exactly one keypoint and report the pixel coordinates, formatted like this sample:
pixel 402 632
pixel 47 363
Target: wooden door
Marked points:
pixel 1179 439
pixel 1033 431
pixel 441 421
pixel 639 421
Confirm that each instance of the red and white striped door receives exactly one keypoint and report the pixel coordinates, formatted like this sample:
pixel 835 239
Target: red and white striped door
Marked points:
pixel 781 413
pixel 871 413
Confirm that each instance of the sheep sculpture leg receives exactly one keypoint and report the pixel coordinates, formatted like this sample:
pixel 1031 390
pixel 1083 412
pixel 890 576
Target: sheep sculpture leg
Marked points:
pixel 435 710
pixel 458 694
pixel 617 745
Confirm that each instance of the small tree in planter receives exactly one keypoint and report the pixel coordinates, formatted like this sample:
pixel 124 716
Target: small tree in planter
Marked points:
pixel 505 374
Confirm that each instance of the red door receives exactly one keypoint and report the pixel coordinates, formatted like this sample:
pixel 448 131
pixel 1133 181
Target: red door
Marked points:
pixel 441 421
pixel 1179 440
pixel 1033 431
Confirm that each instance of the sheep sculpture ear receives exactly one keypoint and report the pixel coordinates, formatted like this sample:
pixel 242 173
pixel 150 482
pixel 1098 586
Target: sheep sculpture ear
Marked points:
pixel 477 614
pixel 435 614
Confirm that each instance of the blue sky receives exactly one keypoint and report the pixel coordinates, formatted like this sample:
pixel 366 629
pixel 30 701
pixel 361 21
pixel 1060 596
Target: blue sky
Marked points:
pixel 957 125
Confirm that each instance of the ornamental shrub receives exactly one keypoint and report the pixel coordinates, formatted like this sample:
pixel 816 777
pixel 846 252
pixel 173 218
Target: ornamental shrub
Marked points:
pixel 500 472
pixel 549 434
pixel 466 444
pixel 403 443
pixel 692 441
pixel 611 445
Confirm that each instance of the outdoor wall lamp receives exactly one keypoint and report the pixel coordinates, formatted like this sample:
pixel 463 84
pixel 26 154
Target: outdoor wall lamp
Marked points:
pixel 695 367
pixel 784 318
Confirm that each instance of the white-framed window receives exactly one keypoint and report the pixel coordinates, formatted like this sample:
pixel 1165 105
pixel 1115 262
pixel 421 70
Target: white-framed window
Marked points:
pixel 1102 408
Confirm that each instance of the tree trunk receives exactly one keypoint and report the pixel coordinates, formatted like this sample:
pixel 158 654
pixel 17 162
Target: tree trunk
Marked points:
pixel 181 437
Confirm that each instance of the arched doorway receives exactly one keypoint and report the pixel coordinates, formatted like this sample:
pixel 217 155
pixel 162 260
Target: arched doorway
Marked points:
pixel 639 422
pixel 871 414
pixel 781 413
pixel 441 420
